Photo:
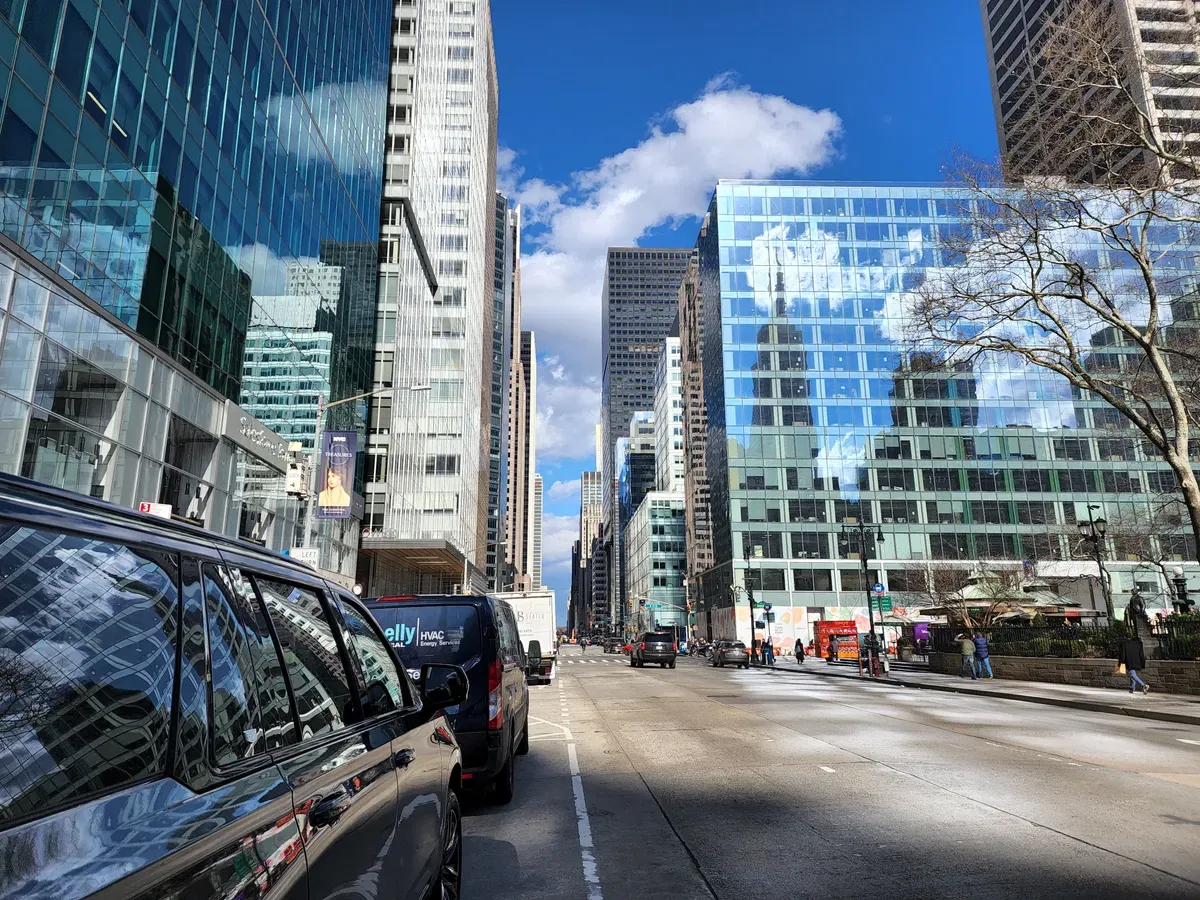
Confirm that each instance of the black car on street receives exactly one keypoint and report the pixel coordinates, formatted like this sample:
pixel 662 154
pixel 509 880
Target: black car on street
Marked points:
pixel 654 647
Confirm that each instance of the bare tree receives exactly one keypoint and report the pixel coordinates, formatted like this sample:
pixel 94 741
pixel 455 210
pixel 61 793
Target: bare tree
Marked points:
pixel 1093 285
pixel 973 598
pixel 27 694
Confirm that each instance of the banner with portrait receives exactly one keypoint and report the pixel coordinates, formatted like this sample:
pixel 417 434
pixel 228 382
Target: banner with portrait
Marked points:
pixel 335 477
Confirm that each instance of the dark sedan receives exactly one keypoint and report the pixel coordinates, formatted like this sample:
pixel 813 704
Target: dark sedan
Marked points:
pixel 731 653
pixel 654 647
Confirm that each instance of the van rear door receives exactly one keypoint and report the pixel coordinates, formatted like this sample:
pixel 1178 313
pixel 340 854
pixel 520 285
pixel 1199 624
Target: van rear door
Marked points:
pixel 440 633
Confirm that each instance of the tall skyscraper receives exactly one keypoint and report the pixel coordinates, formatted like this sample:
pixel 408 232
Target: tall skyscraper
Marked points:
pixel 167 172
pixel 636 473
pixel 535 540
pixel 1039 136
pixel 818 418
pixel 590 518
pixel 641 296
pixel 427 503
pixel 668 416
pixel 695 425
pixel 507 238
pixel 522 439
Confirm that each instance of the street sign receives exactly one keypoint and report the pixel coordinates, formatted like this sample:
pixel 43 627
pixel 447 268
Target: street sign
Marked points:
pixel 770 617
pixel 885 605
pixel 654 606
pixel 162 510
pixel 310 556
pixel 767 607
pixel 879 590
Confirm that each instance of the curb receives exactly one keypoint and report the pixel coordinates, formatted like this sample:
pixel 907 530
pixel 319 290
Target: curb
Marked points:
pixel 1087 705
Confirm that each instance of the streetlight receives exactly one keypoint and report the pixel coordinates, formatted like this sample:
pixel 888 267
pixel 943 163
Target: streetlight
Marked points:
pixel 1182 603
pixel 1092 531
pixel 862 529
pixel 322 406
pixel 748 590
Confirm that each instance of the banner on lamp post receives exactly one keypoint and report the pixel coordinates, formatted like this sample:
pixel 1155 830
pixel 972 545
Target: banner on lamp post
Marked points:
pixel 335 478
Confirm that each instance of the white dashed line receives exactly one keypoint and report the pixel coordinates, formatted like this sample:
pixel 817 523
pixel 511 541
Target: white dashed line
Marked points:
pixel 1186 741
pixel 827 769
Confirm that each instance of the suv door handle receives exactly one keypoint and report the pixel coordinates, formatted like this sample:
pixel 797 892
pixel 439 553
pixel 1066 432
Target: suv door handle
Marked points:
pixel 329 809
pixel 402 759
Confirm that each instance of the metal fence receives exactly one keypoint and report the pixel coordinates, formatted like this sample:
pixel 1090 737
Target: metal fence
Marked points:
pixel 1177 637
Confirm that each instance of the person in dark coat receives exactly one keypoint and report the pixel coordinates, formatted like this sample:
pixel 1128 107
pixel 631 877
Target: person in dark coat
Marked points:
pixel 800 651
pixel 1133 656
pixel 982 663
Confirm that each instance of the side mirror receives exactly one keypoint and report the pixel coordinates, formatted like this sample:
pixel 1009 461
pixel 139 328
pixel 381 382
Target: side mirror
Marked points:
pixel 442 686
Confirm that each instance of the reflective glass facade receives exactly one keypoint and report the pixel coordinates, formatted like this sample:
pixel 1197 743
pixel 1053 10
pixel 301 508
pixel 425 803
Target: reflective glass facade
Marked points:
pixel 658 561
pixel 185 163
pixel 816 416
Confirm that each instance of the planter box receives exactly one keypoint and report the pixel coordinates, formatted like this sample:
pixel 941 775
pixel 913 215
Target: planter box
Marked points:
pixel 1166 676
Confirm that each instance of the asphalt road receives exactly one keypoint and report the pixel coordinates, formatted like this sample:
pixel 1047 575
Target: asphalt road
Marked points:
pixel 702 783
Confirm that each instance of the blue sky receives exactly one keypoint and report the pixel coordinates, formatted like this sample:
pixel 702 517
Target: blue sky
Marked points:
pixel 617 118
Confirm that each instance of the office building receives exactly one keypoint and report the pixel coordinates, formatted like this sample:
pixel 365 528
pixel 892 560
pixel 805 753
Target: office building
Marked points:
pixel 590 504
pixel 641 295
pixel 522 442
pixel 430 479
pixel 1038 136
pixel 507 236
pixel 161 169
pixel 668 416
pixel 817 418
pixel 535 540
pixel 695 426
pixel 657 563
pixel 636 476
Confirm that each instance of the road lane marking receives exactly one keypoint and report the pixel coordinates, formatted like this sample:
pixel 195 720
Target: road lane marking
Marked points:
pixel 827 769
pixel 1186 741
pixel 591 874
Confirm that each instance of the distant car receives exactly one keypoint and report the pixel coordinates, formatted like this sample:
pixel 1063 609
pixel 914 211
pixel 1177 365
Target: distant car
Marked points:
pixel 730 653
pixel 654 647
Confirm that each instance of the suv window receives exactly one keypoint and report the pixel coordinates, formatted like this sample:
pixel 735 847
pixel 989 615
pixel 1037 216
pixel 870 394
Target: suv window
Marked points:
pixel 658 637
pixel 88 636
pixel 310 651
pixel 382 687
pixel 249 701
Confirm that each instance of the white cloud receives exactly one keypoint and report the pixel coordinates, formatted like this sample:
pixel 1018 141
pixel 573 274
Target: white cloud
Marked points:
pixel 559 533
pixel 727 132
pixel 342 112
pixel 565 490
pixel 567 412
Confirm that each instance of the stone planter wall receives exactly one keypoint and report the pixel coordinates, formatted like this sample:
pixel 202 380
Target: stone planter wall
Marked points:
pixel 1163 675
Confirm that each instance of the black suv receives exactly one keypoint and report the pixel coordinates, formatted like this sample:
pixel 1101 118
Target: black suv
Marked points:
pixel 189 716
pixel 653 647
pixel 479 634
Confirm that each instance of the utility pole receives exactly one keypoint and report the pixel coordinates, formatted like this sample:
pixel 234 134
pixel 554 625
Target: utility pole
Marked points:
pixel 862 529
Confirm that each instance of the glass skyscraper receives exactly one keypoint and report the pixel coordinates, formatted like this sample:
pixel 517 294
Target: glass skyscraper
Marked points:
pixel 168 171
pixel 818 417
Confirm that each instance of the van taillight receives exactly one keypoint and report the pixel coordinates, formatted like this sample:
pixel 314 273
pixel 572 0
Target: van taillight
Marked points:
pixel 495 699
pixel 643 645
pixel 674 648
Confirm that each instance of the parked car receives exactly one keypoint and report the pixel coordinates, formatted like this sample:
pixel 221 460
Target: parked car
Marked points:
pixel 731 653
pixel 193 716
pixel 480 634
pixel 654 647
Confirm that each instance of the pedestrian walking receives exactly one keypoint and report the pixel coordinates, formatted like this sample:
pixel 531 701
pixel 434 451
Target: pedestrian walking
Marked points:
pixel 768 652
pixel 1132 658
pixel 834 647
pixel 966 647
pixel 583 646
pixel 982 663
pixel 800 651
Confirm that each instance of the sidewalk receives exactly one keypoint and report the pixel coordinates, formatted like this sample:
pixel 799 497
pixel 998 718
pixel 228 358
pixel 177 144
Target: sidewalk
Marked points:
pixel 1162 707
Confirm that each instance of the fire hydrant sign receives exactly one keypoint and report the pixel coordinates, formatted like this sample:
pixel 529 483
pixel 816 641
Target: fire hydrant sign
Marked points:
pixel 162 510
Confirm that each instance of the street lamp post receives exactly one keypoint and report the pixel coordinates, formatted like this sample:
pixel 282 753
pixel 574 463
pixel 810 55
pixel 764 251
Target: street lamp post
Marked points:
pixel 1092 531
pixel 322 406
pixel 748 590
pixel 1182 603
pixel 862 529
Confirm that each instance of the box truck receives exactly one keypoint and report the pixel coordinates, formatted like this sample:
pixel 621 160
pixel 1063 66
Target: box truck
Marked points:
pixel 535 623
